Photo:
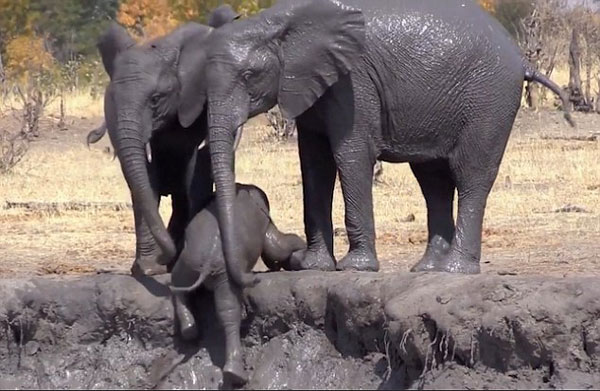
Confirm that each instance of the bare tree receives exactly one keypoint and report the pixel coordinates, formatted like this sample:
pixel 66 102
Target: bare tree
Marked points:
pixel 575 90
pixel 583 56
pixel 2 74
pixel 542 36
pixel 283 129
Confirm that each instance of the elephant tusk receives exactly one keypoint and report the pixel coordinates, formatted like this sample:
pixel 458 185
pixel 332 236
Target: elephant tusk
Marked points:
pixel 149 153
pixel 236 141
pixel 238 137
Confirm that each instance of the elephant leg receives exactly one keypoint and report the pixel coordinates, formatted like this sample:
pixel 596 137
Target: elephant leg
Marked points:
pixel 179 220
pixel 187 323
pixel 147 251
pixel 228 303
pixel 199 183
pixel 318 181
pixel 356 177
pixel 279 247
pixel 437 185
pixel 350 132
pixel 474 164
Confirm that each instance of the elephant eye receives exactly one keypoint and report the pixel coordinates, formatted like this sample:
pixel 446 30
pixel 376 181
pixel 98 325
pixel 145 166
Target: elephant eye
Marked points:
pixel 155 99
pixel 247 74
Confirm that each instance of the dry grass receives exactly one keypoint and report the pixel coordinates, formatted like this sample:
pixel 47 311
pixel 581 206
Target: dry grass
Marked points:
pixel 521 231
pixel 78 104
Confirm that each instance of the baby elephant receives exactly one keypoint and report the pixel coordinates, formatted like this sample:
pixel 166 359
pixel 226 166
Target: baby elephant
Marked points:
pixel 202 263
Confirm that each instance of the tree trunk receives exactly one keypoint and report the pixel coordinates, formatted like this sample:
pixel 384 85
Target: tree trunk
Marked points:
pixel 598 97
pixel 588 74
pixel 575 90
pixel 532 95
pixel 2 76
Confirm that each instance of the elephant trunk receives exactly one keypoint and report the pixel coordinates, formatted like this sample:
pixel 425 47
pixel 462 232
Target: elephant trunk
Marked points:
pixel 221 143
pixel 132 156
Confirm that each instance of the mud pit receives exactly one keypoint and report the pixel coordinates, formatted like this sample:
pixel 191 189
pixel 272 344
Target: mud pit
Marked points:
pixel 308 330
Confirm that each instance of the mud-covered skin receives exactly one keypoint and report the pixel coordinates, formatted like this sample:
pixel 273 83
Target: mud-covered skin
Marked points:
pixel 426 82
pixel 201 263
pixel 141 105
pixel 307 330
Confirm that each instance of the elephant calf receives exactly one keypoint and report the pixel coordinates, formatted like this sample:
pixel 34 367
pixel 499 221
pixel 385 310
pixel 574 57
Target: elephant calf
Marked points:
pixel 202 262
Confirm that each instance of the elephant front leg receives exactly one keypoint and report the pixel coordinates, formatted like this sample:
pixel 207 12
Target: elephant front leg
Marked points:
pixel 318 181
pixel 147 251
pixel 228 303
pixel 179 220
pixel 437 185
pixel 355 165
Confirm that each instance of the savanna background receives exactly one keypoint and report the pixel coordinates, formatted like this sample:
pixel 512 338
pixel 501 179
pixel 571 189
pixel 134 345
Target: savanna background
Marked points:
pixel 65 209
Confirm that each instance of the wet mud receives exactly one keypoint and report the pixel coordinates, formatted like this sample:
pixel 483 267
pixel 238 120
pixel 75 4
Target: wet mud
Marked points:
pixel 307 330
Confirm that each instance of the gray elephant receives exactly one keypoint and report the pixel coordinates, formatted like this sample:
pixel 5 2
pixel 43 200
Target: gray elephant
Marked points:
pixel 433 83
pixel 201 262
pixel 146 92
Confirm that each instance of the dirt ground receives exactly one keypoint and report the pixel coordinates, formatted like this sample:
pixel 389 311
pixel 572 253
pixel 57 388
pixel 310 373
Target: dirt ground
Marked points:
pixel 64 209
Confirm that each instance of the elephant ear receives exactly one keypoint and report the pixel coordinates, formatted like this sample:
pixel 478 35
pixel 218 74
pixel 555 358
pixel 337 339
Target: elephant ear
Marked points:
pixel 323 40
pixel 112 42
pixel 192 91
pixel 222 15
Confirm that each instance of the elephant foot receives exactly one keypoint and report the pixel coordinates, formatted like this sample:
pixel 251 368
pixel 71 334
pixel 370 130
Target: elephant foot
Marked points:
pixel 452 262
pixel 437 249
pixel 312 260
pixel 427 264
pixel 364 261
pixel 189 331
pixel 147 266
pixel 187 324
pixel 234 373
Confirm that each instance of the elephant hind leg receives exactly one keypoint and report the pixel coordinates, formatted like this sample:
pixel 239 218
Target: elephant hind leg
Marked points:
pixel 279 247
pixel 474 164
pixel 187 323
pixel 228 302
pixel 184 276
pixel 437 186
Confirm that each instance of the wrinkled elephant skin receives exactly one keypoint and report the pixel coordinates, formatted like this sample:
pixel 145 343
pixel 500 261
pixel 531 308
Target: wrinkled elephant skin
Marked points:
pixel 201 262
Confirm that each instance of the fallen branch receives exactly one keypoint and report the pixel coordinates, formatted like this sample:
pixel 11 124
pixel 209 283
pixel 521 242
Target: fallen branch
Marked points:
pixel 592 137
pixel 68 206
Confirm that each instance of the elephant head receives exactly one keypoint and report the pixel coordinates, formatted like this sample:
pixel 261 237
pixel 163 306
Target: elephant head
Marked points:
pixel 150 85
pixel 288 54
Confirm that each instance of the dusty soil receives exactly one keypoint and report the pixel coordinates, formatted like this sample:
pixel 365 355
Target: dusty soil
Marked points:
pixel 308 330
pixel 65 208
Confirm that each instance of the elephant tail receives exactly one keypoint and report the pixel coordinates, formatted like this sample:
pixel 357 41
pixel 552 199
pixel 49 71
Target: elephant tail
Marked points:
pixel 95 135
pixel 195 285
pixel 531 74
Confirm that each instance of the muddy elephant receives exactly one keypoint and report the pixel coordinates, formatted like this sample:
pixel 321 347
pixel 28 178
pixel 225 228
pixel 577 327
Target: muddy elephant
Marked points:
pixel 158 156
pixel 433 83
pixel 202 262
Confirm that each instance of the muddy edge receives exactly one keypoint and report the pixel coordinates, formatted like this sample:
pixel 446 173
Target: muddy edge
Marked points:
pixel 401 330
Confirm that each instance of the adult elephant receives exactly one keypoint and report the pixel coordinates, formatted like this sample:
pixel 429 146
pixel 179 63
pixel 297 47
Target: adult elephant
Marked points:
pixel 433 83
pixel 158 156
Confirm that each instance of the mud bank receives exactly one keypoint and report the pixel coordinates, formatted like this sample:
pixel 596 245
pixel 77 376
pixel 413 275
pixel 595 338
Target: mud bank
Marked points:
pixel 308 330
